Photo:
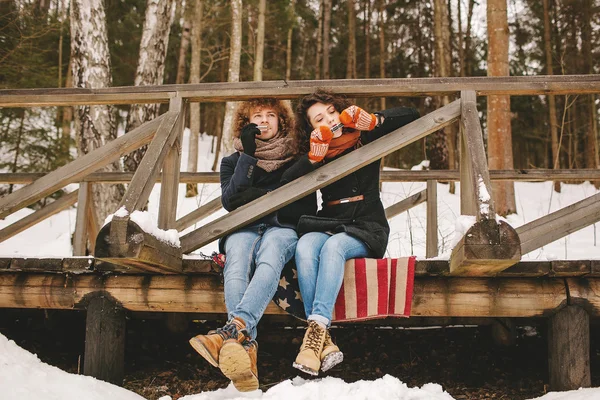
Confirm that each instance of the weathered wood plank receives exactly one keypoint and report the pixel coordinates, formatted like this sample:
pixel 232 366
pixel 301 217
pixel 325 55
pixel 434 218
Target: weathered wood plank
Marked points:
pixel 527 269
pixel 200 213
pixel 51 209
pixel 521 175
pixel 431 246
pixel 37 264
pixel 321 177
pixel 220 92
pixel 569 349
pixel 433 297
pixel 406 204
pixel 558 224
pixel 80 237
pixel 570 267
pixel 80 167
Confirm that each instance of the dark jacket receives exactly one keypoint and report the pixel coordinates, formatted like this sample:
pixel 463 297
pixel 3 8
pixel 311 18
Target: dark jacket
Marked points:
pixel 362 219
pixel 241 177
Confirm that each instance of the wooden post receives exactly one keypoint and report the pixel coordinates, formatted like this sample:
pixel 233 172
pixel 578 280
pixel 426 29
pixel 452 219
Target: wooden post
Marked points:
pixel 80 237
pixel 569 349
pixel 431 249
pixel 104 356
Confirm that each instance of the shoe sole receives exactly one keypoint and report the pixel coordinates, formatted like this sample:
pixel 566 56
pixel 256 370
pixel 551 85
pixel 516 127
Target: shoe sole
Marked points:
pixel 199 347
pixel 305 369
pixel 331 360
pixel 235 364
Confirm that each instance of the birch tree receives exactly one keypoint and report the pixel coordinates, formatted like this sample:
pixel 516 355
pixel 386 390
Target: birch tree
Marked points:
pixel 260 41
pixel 498 107
pixel 234 70
pixel 326 31
pixel 90 62
pixel 150 69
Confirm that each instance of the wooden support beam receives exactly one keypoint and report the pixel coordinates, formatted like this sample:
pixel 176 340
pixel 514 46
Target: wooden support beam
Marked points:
pixel 198 214
pixel 321 177
pixel 406 204
pixel 51 209
pixel 80 237
pixel 105 331
pixel 569 349
pixel 433 296
pixel 558 224
pixel 431 249
pixel 77 169
pixel 220 92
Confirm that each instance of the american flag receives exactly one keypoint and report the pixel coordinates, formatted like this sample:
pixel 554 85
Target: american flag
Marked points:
pixel 372 288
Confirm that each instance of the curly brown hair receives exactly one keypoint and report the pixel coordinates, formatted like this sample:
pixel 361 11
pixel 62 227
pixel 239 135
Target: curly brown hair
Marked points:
pixel 320 95
pixel 284 113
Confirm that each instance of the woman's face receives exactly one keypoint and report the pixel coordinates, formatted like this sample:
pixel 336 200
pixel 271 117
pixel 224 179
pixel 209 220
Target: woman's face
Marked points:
pixel 320 114
pixel 265 116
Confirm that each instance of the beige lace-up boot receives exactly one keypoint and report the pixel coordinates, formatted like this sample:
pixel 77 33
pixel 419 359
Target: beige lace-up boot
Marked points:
pixel 309 357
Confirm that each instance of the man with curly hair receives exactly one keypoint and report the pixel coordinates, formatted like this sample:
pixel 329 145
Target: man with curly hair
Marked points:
pixel 266 146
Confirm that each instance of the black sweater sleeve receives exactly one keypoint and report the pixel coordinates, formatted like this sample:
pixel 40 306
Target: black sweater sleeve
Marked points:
pixel 394 119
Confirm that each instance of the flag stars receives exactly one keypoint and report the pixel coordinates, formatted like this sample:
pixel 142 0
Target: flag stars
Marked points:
pixel 283 283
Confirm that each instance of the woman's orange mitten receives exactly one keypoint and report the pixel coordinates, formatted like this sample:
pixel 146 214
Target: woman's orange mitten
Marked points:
pixel 319 143
pixel 356 118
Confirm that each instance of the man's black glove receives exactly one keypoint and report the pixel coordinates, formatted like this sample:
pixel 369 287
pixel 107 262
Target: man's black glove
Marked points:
pixel 246 196
pixel 248 138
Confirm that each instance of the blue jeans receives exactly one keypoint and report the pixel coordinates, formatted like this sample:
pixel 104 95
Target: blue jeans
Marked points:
pixel 320 259
pixel 254 259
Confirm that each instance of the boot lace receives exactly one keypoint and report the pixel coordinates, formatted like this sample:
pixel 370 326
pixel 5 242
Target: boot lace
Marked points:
pixel 229 331
pixel 314 337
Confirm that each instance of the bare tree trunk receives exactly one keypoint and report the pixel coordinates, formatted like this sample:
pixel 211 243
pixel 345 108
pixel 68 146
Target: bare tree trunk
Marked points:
pixel 351 53
pixel 551 99
pixel 150 69
pixel 234 70
pixel 591 141
pixel 468 71
pixel 319 41
pixel 288 53
pixel 185 41
pixel 326 29
pixel 191 189
pixel 367 39
pixel 382 51
pixel 498 109
pixel 95 124
pixel 260 41
pixel 15 162
pixel 461 49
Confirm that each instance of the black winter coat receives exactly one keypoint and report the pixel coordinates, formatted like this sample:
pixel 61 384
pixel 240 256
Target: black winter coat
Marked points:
pixel 240 175
pixel 364 219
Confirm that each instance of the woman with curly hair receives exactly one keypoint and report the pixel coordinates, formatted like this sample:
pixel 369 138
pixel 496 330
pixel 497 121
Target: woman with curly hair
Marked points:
pixel 351 222
pixel 266 146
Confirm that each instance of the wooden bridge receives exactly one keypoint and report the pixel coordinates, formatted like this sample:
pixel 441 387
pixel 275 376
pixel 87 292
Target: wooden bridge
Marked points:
pixel 132 270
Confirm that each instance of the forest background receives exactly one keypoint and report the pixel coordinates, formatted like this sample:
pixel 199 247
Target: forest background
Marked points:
pixel 96 43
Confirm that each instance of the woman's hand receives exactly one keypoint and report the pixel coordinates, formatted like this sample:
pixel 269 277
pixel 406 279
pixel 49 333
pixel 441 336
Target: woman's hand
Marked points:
pixel 248 138
pixel 356 118
pixel 319 143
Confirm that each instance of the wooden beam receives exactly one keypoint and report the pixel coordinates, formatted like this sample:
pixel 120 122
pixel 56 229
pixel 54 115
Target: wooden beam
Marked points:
pixel 78 168
pixel 431 249
pixel 558 224
pixel 406 204
pixel 51 209
pixel 199 213
pixel 321 177
pixel 221 92
pixel 569 349
pixel 433 297
pixel 521 175
pixel 80 237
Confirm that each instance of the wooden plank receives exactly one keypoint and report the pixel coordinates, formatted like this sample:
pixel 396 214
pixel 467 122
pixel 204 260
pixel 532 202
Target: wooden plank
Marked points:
pixel 433 297
pixel 560 223
pixel 198 214
pixel 220 92
pixel 321 177
pixel 78 265
pixel 5 263
pixel 78 168
pixel 431 246
pixel 80 237
pixel 482 204
pixel 105 332
pixel 93 225
pixel 406 204
pixel 167 210
pixel 569 349
pixel 37 264
pixel 594 268
pixel 486 248
pixel 51 209
pixel 432 267
pixel 195 266
pixel 570 268
pixel 521 175
pixel 527 269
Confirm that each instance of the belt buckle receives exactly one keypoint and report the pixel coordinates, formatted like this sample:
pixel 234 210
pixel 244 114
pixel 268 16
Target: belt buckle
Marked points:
pixel 346 200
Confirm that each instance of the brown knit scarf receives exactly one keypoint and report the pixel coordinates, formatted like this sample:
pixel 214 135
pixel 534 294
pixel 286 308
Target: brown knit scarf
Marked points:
pixel 272 154
pixel 340 144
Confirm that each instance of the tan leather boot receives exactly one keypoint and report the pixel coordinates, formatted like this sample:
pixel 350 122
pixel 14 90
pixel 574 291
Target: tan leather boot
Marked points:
pixel 209 345
pixel 331 354
pixel 238 363
pixel 309 358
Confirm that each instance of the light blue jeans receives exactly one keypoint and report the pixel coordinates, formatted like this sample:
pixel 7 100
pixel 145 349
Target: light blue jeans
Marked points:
pixel 320 259
pixel 254 259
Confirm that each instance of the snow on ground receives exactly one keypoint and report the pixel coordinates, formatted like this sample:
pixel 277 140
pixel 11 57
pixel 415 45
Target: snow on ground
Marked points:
pixel 23 376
